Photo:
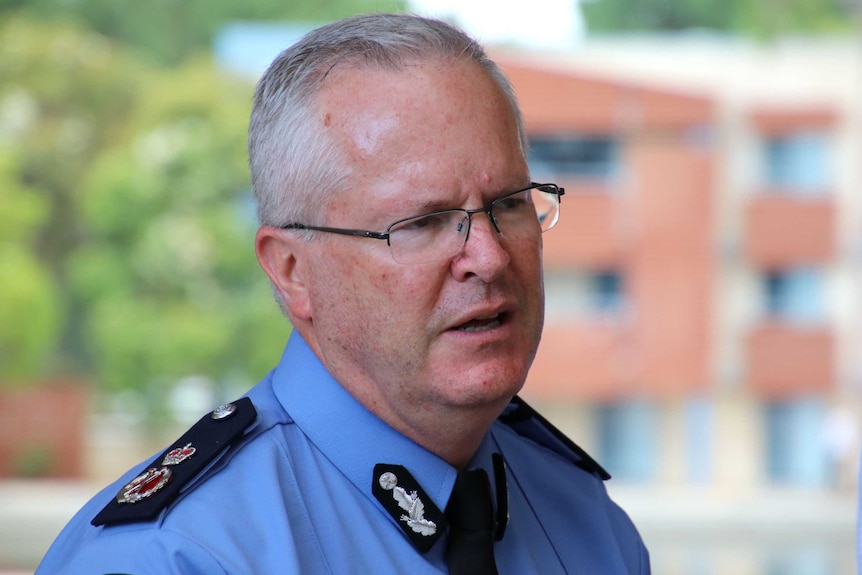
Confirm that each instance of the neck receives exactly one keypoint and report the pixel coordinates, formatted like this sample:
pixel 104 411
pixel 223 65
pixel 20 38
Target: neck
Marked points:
pixel 453 433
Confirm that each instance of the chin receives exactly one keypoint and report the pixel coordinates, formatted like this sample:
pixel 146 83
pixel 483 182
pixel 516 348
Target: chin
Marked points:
pixel 486 385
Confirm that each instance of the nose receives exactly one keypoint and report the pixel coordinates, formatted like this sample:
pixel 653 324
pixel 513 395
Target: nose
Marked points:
pixel 483 255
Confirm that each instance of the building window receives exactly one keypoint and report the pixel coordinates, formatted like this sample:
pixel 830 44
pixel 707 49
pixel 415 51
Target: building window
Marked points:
pixel 580 294
pixel 699 426
pixel 607 291
pixel 795 295
pixel 628 440
pixel 795 453
pixel 807 557
pixel 798 163
pixel 574 156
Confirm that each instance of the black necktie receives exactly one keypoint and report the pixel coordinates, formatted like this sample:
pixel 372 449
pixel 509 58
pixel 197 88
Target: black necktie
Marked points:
pixel 471 526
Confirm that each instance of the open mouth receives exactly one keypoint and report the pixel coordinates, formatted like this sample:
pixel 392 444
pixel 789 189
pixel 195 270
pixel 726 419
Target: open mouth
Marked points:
pixel 481 324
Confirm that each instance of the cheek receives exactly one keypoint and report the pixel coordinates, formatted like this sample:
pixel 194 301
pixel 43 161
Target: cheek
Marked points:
pixel 407 293
pixel 416 285
pixel 526 261
pixel 372 289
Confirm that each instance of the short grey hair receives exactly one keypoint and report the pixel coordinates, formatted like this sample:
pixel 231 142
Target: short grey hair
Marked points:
pixel 290 158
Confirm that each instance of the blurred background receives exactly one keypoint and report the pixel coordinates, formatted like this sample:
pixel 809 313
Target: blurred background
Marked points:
pixel 704 321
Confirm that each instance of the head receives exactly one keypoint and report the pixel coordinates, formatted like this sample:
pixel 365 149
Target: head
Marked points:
pixel 294 166
pixel 365 122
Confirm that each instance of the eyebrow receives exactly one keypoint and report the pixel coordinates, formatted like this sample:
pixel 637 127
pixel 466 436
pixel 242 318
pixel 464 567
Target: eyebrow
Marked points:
pixel 409 210
pixel 433 206
pixel 440 205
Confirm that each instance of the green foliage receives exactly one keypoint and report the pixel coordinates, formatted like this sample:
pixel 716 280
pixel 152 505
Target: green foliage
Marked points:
pixel 168 31
pixel 170 253
pixel 62 93
pixel 126 228
pixel 603 15
pixel 29 316
pixel 760 18
pixel 21 210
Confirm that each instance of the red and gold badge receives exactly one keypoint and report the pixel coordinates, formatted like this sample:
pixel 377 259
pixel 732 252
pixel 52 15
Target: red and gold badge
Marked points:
pixel 144 485
pixel 178 455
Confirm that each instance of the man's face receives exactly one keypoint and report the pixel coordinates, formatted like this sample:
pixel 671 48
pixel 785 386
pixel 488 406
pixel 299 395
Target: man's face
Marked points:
pixel 411 339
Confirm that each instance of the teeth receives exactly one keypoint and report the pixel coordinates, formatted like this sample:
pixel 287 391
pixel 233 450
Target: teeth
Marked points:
pixel 477 325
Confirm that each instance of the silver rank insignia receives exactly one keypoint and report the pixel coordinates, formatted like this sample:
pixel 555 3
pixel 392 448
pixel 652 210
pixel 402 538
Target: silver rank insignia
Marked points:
pixel 408 504
pixel 144 485
pixel 411 503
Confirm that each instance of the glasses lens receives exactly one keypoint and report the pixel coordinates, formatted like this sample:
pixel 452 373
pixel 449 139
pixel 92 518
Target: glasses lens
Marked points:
pixel 440 235
pixel 547 202
pixel 527 213
pixel 428 238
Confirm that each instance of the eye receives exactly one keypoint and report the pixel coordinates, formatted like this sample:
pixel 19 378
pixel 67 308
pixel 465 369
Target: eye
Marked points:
pixel 430 222
pixel 419 223
pixel 514 202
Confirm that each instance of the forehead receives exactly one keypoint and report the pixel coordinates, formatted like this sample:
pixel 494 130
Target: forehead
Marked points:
pixel 430 127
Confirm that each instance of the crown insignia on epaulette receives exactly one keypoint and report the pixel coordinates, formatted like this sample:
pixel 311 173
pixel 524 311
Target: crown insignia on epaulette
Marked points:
pixel 178 455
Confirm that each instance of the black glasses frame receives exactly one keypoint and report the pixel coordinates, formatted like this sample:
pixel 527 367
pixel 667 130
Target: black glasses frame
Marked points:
pixel 489 209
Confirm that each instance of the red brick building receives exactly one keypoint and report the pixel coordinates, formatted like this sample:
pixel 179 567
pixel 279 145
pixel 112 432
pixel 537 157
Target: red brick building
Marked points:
pixel 691 334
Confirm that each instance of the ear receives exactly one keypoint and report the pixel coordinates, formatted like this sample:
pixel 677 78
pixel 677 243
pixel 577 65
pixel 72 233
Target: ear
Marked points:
pixel 282 256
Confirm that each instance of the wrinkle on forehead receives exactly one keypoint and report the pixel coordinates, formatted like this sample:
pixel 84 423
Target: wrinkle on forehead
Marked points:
pixel 418 126
pixel 367 128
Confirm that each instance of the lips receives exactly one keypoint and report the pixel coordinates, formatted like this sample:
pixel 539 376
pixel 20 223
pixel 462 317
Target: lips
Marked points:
pixel 481 324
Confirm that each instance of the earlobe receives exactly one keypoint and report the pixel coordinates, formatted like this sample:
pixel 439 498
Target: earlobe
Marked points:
pixel 282 258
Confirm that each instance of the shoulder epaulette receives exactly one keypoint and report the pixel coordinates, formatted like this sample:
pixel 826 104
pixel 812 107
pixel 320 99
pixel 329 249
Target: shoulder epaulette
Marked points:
pixel 528 422
pixel 143 498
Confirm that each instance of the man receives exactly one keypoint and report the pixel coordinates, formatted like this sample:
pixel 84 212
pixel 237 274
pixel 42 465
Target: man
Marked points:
pixel 402 234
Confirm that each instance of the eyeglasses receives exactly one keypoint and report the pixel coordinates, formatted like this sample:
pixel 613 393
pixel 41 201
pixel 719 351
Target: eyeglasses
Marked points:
pixel 440 235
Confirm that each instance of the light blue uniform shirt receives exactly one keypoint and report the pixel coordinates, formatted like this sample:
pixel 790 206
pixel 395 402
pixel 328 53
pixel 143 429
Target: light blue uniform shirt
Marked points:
pixel 294 496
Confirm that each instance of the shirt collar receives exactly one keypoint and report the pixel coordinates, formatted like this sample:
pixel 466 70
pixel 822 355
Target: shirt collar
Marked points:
pixel 330 417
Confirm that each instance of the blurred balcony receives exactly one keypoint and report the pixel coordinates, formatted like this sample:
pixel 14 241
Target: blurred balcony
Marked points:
pixel 606 359
pixel 583 361
pixel 785 360
pixel 784 230
pixel 588 234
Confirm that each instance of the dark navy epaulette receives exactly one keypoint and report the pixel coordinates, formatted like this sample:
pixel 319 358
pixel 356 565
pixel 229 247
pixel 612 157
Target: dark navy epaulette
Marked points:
pixel 528 422
pixel 143 498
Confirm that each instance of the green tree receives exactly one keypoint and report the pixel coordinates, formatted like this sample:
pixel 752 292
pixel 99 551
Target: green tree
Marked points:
pixel 170 30
pixel 29 315
pixel 761 18
pixel 125 209
pixel 57 103
pixel 169 270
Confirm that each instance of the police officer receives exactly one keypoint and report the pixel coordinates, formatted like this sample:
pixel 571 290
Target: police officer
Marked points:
pixel 402 234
